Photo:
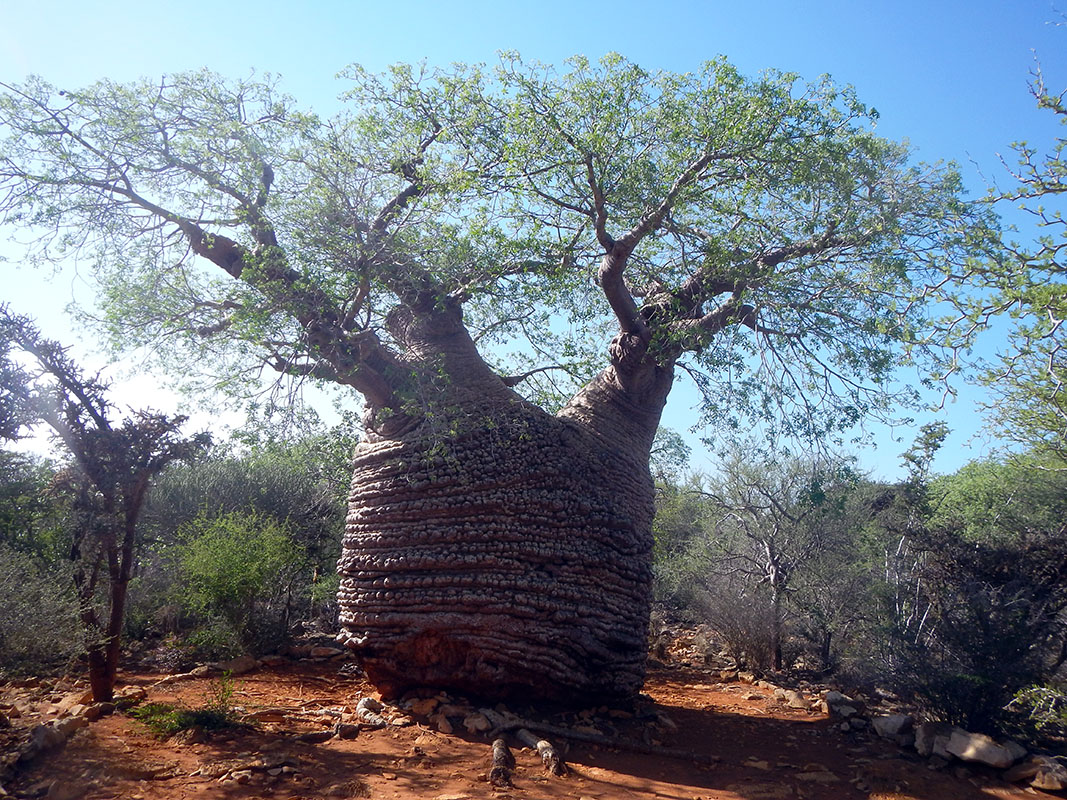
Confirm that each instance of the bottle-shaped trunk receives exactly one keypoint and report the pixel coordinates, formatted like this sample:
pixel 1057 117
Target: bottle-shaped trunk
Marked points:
pixel 497 549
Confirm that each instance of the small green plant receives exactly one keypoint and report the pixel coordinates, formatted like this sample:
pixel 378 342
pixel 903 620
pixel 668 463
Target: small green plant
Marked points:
pixel 217 712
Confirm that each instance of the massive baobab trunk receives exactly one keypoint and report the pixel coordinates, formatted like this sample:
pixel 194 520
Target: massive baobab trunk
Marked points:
pixel 495 548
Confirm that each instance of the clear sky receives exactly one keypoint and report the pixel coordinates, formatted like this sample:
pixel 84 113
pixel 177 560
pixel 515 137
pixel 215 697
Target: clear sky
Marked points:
pixel 949 76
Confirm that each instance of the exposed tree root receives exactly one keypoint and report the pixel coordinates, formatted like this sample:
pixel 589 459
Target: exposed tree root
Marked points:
pixel 549 757
pixel 505 726
pixel 501 765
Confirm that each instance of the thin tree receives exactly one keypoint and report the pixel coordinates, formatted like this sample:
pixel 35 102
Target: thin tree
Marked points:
pixel 111 467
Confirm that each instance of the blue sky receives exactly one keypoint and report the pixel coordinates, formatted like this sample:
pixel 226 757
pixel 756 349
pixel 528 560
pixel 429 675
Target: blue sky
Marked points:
pixel 951 77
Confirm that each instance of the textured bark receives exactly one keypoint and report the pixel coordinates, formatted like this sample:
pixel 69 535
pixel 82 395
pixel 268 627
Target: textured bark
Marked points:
pixel 493 548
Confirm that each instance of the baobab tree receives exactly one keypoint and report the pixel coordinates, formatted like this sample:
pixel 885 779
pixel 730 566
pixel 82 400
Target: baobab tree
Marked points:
pixel 508 265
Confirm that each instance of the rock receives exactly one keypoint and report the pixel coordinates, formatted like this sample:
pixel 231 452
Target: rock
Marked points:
pixel 96 711
pixel 442 723
pixel 1022 771
pixel 931 739
pixel 424 706
pixel 477 723
pixel 1015 750
pixel 201 671
pixel 79 698
pixel 236 666
pixel 346 730
pixel 69 725
pixel 820 776
pixel 890 726
pixel 326 652
pixel 42 738
pixel 194 735
pixel 273 660
pixel 979 748
pixel 316 737
pixel 1051 775
pixel 795 699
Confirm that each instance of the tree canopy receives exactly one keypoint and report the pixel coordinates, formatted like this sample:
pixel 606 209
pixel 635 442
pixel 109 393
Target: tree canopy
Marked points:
pixel 755 231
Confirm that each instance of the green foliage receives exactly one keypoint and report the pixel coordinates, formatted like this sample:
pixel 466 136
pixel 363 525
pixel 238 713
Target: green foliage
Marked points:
pixel 240 569
pixel 764 236
pixel 31 514
pixel 1040 713
pixel 989 500
pixel 1027 285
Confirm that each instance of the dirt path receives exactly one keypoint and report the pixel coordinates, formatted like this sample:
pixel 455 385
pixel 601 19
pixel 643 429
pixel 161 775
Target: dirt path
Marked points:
pixel 760 749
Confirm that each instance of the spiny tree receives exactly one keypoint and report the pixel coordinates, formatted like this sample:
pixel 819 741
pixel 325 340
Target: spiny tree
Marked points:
pixel 456 237
pixel 111 467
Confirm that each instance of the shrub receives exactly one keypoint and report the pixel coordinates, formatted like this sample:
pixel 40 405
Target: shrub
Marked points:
pixel 239 569
pixel 994 625
pixel 39 624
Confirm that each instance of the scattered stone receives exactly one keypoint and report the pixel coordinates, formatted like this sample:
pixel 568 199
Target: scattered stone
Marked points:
pixel 316 737
pixel 442 723
pixel 1051 776
pixel 746 677
pixel 821 776
pixel 326 652
pixel 858 723
pixel 346 730
pixel 201 671
pixel 754 763
pixel 1022 771
pixel 890 726
pixel 931 739
pixel 477 723
pixel 794 699
pixel 69 725
pixel 979 748
pixel 273 660
pixel 236 666
pixel 424 706
pixel 453 710
pixel 98 710
pixel 666 722
pixel 79 698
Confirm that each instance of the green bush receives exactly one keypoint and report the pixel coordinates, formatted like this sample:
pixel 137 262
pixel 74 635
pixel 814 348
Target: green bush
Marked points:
pixel 240 569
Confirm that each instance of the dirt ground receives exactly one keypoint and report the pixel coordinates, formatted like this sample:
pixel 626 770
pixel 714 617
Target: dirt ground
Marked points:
pixel 749 746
